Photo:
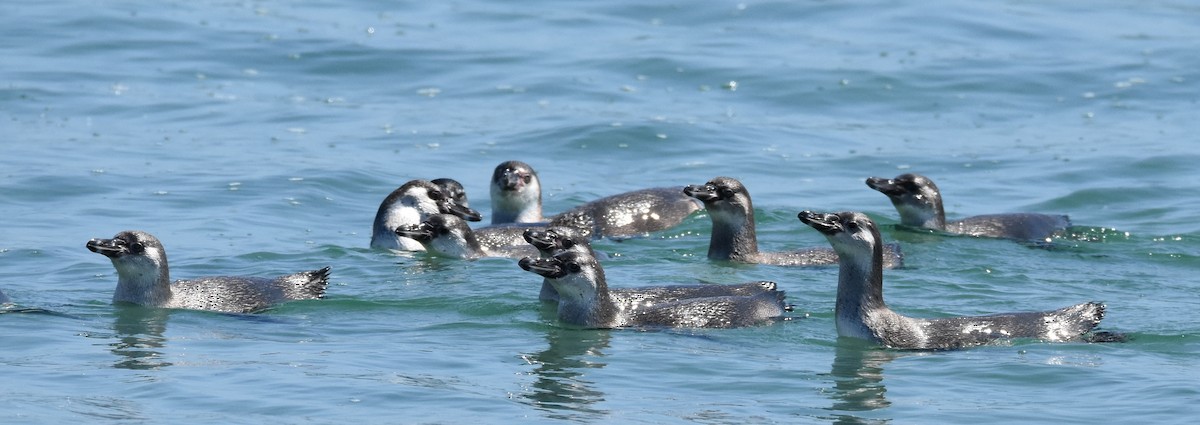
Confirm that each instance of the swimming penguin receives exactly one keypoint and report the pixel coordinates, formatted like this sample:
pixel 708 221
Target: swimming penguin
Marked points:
pixel 516 194
pixel 553 240
pixel 450 236
pixel 920 205
pixel 734 237
pixel 585 300
pixel 632 214
pixel 410 204
pixel 861 313
pixel 517 197
pixel 143 278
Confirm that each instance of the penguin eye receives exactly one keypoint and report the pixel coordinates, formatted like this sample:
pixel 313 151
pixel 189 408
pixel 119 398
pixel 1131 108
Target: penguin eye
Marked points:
pixel 567 243
pixel 436 195
pixel 725 192
pixel 853 225
pixel 137 248
pixel 574 267
pixel 527 178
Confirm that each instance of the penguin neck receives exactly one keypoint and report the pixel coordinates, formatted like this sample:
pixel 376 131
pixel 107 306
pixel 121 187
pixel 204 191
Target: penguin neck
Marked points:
pixel 516 210
pixel 733 235
pixel 590 306
pixel 467 246
pixel 930 216
pixel 860 288
pixel 937 220
pixel 144 282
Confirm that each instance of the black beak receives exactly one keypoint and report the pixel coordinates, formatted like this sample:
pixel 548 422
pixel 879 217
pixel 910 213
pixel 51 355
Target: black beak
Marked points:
pixel 704 192
pixel 422 232
pixel 512 180
pixel 546 267
pixel 884 186
pixel 825 223
pixel 462 211
pixel 540 239
pixel 106 247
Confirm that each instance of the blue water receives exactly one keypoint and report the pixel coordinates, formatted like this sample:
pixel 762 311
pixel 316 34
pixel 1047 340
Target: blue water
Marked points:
pixel 258 138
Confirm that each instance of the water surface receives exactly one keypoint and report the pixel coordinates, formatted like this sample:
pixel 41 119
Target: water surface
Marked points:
pixel 258 138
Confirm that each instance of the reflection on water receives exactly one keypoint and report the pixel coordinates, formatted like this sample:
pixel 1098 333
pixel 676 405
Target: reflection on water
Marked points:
pixel 138 332
pixel 562 389
pixel 858 381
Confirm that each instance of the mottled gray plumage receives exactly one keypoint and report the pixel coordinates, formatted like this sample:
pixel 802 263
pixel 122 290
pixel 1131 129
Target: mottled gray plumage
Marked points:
pixel 734 236
pixel 504 236
pixel 144 279
pixel 585 300
pixel 860 311
pixel 919 203
pixel 411 204
pixel 449 236
pixel 553 240
pixel 517 198
pixel 631 214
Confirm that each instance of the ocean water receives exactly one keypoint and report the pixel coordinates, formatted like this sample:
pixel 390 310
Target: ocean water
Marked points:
pixel 258 138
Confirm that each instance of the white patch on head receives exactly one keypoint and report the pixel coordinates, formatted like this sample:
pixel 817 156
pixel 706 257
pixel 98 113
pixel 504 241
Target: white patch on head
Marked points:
pixel 857 245
pixel 928 195
pixel 147 265
pixel 138 275
pixel 864 235
pixel 412 208
pixel 418 198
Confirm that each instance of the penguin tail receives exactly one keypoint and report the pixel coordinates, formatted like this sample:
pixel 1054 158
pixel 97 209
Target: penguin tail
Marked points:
pixel 308 285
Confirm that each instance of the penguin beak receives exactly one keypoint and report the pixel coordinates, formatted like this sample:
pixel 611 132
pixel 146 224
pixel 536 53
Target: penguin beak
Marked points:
pixel 704 193
pixel 825 223
pixel 513 180
pixel 546 267
pixel 422 232
pixel 462 211
pixel 107 247
pixel 884 186
pixel 540 239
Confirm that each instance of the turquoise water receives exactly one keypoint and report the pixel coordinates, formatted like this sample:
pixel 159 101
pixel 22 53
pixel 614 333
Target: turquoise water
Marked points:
pixel 258 138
